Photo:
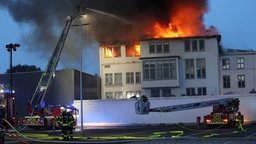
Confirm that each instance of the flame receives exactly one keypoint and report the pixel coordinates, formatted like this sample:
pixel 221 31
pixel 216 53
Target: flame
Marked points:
pixel 184 20
pixel 108 52
pixel 133 50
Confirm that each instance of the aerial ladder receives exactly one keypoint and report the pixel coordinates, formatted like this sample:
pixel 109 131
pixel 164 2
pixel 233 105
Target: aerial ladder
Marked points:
pixel 39 114
pixel 225 111
pixel 48 74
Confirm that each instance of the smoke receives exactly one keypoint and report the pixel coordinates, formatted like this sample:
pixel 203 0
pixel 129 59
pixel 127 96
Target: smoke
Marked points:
pixel 109 20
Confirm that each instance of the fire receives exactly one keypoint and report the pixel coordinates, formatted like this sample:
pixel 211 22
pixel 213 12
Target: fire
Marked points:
pixel 108 52
pixel 185 19
pixel 133 50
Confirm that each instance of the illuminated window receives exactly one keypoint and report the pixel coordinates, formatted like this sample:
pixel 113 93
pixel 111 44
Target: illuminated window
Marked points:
pixel 240 63
pixel 112 51
pixel 241 81
pixel 130 94
pixel 225 64
pixel 117 51
pixel 108 52
pixel 132 50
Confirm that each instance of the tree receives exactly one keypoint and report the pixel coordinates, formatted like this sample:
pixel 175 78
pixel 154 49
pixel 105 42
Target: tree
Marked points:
pixel 23 68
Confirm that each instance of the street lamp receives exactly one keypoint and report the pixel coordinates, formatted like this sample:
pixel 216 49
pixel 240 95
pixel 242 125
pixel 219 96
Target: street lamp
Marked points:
pixel 11 47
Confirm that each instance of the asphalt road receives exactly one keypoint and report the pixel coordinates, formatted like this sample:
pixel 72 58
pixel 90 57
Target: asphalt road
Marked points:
pixel 164 134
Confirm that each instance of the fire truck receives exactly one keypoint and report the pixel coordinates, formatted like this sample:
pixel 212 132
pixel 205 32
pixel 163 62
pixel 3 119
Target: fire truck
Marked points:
pixel 225 111
pixel 7 110
pixel 7 106
pixel 46 116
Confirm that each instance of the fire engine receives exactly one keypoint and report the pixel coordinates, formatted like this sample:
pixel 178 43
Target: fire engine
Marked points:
pixel 46 116
pixel 225 111
pixel 7 106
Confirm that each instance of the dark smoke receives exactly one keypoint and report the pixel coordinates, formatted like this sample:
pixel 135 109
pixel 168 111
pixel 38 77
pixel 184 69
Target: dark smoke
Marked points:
pixel 120 19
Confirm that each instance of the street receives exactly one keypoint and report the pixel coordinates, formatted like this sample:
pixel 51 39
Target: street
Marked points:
pixel 175 134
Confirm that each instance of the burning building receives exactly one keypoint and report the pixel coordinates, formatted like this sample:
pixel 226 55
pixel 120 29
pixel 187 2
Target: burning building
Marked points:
pixel 175 49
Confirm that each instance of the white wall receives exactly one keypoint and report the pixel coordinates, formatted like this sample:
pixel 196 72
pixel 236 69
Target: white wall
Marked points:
pixel 122 112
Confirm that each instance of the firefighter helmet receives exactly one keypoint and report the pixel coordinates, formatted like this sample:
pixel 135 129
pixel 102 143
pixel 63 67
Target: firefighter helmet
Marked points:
pixel 62 109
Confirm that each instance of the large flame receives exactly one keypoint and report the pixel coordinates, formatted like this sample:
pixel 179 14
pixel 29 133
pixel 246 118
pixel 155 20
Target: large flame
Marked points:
pixel 184 20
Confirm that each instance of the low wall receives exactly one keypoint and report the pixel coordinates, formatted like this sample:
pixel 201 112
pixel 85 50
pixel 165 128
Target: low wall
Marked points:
pixel 122 112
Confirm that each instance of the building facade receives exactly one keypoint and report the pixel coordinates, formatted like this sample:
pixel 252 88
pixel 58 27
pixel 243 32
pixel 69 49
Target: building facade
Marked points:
pixel 184 66
pixel 238 71
pixel 120 69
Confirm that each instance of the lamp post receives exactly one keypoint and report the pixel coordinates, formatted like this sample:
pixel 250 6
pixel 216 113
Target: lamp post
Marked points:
pixel 81 70
pixel 11 47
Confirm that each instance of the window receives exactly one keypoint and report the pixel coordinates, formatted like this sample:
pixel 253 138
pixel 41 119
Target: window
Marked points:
pixel 201 45
pixel 166 47
pixel 241 81
pixel 112 51
pixel 201 91
pixel 108 79
pixel 226 81
pixel 194 45
pixel 130 94
pixel 129 78
pixel 118 95
pixel 159 47
pixel 189 68
pixel 240 63
pixel 225 64
pixel 200 68
pixel 118 78
pixel 117 51
pixel 190 91
pixel 109 95
pixel 138 77
pixel 187 45
pixel 132 50
pixel 159 70
pixel 155 92
pixel 166 92
pixel 151 47
pixel 108 52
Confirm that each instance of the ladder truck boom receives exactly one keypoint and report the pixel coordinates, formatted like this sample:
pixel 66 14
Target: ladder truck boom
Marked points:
pixel 46 77
pixel 144 107
pixel 225 111
pixel 48 74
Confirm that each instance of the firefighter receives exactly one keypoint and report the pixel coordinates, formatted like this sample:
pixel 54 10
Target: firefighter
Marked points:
pixel 239 119
pixel 143 98
pixel 71 123
pixel 65 121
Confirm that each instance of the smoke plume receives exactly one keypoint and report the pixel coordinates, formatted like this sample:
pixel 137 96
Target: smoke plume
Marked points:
pixel 109 20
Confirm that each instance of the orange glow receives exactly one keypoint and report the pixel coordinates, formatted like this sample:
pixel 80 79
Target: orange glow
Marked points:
pixel 108 52
pixel 184 20
pixel 133 50
pixel 137 50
